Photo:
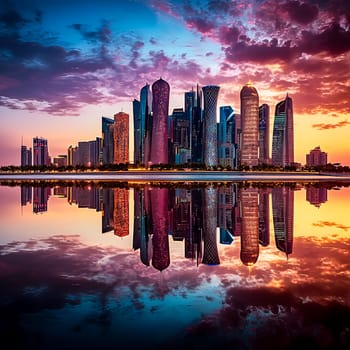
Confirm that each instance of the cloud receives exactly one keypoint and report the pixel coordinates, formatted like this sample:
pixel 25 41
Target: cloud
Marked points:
pixel 324 126
pixel 102 35
pixel 331 224
pixel 301 12
pixel 334 40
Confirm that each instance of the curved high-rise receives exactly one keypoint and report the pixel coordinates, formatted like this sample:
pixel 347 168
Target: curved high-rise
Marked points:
pixel 283 134
pixel 145 124
pixel 249 154
pixel 160 107
pixel 210 95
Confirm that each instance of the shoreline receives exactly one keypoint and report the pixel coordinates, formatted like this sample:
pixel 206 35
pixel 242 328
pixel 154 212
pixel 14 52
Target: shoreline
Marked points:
pixel 176 176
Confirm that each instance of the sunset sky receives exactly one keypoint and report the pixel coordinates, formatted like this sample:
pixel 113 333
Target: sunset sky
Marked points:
pixel 65 64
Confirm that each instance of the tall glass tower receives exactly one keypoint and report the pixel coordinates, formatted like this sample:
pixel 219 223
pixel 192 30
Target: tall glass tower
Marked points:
pixel 137 131
pixel 40 152
pixel 160 107
pixel 264 134
pixel 145 124
pixel 197 130
pixel 210 94
pixel 250 125
pixel 283 134
pixel 107 140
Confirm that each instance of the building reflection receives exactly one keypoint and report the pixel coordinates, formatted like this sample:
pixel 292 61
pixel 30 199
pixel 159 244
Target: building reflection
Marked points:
pixel 316 195
pixel 250 226
pixel 40 199
pixel 283 212
pixel 160 225
pixel 204 220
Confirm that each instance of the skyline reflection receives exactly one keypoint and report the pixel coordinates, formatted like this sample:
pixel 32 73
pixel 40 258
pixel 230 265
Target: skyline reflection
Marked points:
pixel 242 266
pixel 202 218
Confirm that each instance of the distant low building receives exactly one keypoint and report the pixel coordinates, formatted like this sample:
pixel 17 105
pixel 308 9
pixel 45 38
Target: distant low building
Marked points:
pixel 316 157
pixel 60 160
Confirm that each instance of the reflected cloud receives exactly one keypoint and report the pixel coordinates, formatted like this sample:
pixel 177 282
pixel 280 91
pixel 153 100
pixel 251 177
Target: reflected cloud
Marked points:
pixel 331 224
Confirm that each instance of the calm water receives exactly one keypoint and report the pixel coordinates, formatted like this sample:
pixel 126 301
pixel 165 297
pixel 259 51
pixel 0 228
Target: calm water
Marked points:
pixel 240 266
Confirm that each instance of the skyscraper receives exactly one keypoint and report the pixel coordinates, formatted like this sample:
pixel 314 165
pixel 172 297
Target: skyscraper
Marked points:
pixel 210 94
pixel 145 124
pixel 107 140
pixel 264 134
pixel 160 107
pixel 40 152
pixel 197 129
pixel 250 126
pixel 137 131
pixel 226 134
pixel 181 136
pixel 121 138
pixel 26 156
pixel 283 134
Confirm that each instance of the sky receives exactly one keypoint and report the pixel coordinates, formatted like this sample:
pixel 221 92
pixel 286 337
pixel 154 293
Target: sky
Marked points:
pixel 65 64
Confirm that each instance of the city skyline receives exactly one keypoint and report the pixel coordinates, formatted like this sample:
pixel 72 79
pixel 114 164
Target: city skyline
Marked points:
pixel 63 68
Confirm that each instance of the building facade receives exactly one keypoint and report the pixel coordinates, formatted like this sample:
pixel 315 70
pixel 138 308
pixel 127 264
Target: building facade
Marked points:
pixel 249 148
pixel 264 134
pixel 316 157
pixel 226 137
pixel 210 95
pixel 137 131
pixel 26 156
pixel 145 124
pixel 40 152
pixel 159 137
pixel 283 134
pixel 107 140
pixel 121 138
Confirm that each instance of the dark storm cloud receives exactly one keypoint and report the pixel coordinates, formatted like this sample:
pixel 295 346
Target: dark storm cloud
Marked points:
pixel 301 12
pixel 333 39
pixel 12 19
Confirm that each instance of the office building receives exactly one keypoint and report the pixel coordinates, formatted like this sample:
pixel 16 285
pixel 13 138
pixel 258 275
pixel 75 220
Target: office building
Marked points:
pixel 121 138
pixel 196 124
pixel 137 131
pixel 283 134
pixel 159 137
pixel 264 134
pixel 210 95
pixel 249 148
pixel 107 140
pixel 60 161
pixel 180 130
pixel 26 156
pixel 316 157
pixel 226 134
pixel 40 152
pixel 145 124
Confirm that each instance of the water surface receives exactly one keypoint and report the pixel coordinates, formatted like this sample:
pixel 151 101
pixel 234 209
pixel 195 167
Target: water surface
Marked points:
pixel 171 266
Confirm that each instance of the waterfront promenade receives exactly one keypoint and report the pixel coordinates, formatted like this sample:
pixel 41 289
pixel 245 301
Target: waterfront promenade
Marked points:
pixel 170 176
